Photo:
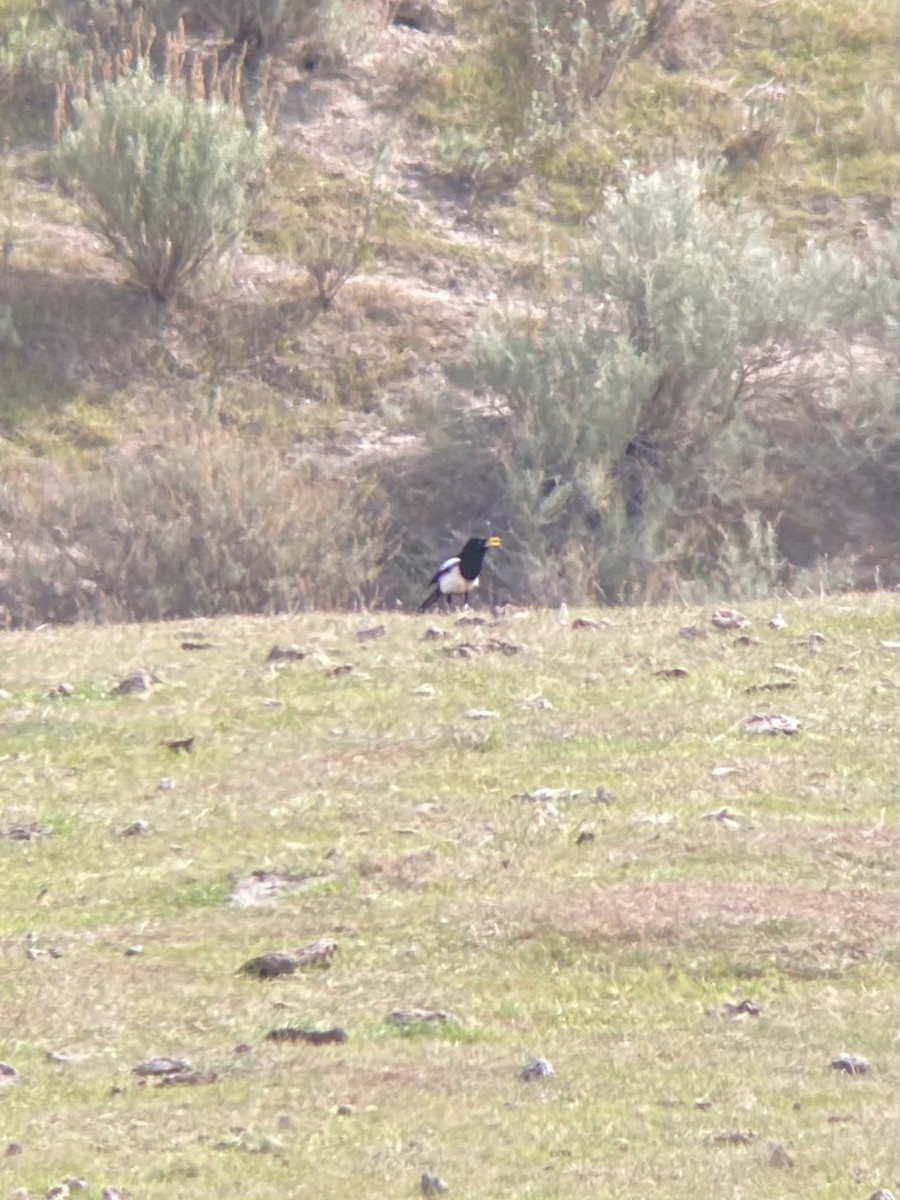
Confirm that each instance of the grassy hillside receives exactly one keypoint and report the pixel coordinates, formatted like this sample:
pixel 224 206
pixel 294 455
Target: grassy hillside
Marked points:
pixel 418 189
pixel 559 834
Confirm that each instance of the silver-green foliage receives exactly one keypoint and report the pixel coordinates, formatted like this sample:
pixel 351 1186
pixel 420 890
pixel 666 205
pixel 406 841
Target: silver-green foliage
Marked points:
pixel 634 419
pixel 164 177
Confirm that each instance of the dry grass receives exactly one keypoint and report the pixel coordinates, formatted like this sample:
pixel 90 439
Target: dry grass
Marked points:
pixel 450 881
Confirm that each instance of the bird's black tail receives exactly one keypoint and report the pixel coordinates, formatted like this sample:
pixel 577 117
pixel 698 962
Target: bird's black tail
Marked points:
pixel 429 601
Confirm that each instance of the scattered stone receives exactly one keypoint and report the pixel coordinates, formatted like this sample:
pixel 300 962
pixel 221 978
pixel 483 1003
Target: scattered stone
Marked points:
pixel 471 621
pixel 886 645
pixel 312 1037
pixel 724 817
pixel 603 796
pixel 585 836
pixel 166 784
pixel 432 1185
pixel 482 714
pixel 262 887
pixel 164 1064
pixel 318 953
pixel 851 1064
pixel 28 832
pixel 691 631
pixel 139 682
pixel 12 1150
pixel 135 829
pixel 777 622
pixel 882 1194
pixel 133 951
pixel 181 745
pixel 370 635
pixel 780 685
pixel 338 671
pixel 243 1048
pixel 425 16
pixel 743 1008
pixel 8 1074
pixel 270 966
pixel 189 1077
pixel 729 618
pixel 62 1056
pixel 813 641
pixel 537 1068
pixel 672 673
pixel 433 634
pixel 746 640
pixel 499 646
pixel 344 1110
pixel 111 1193
pixel 285 654
pixel 771 723
pixel 286 962
pixel 778 1153
pixel 62 689
pixel 58 1192
pixel 418 1016
pixel 721 772
pixel 548 795
pixel 197 645
pixel 733 1137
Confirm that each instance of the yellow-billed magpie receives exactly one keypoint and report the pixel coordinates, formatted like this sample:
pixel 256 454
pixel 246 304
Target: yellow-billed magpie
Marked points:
pixel 459 575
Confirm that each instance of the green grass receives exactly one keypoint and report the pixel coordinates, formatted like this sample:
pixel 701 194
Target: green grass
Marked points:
pixel 446 886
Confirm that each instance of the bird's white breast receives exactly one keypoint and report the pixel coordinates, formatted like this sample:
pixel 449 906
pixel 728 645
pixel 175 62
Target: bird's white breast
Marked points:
pixel 451 581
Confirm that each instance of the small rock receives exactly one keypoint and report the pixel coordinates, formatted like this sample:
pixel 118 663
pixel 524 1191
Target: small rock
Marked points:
pixel 771 723
pixel 344 1110
pixel 729 618
pixel 133 951
pixel 312 1037
pixel 585 836
pixel 181 745
pixel 851 1064
pixel 12 1150
pixel 197 645
pixel 162 1065
pixel 270 966
pixel 777 622
pixel 779 1156
pixel 285 654
pixel 135 829
pixel 433 1184
pixel 111 1193
pixel 58 1192
pixel 8 1074
pixel 417 1016
pixel 672 673
pixel 433 634
pixel 882 1194
pixel 369 635
pixel 537 1068
pixel 139 682
pixel 691 631
pixel 482 714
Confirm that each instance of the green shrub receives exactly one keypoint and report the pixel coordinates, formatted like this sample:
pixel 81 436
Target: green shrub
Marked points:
pixel 540 67
pixel 164 176
pixel 626 435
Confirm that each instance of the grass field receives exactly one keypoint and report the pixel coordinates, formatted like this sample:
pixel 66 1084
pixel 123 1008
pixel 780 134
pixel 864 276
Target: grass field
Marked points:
pixel 439 803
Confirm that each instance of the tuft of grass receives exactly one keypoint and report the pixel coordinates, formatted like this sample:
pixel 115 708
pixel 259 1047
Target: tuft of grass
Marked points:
pixel 446 854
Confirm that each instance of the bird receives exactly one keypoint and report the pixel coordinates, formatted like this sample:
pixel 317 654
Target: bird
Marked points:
pixel 459 575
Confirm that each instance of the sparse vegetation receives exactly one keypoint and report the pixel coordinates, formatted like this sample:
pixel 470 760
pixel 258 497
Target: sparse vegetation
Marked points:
pixel 447 855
